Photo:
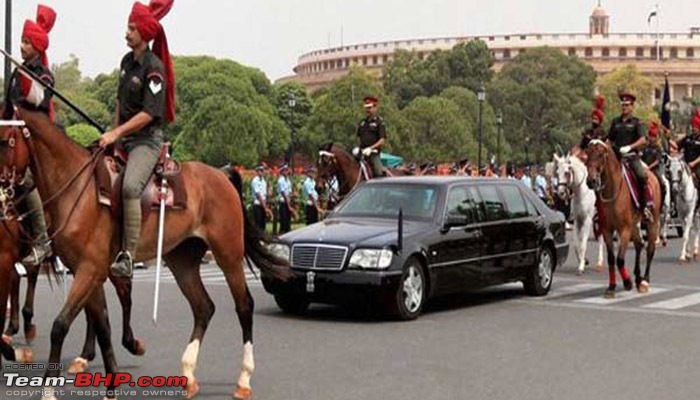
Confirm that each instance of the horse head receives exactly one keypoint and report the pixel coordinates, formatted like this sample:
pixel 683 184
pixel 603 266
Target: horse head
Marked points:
pixel 14 152
pixel 325 165
pixel 563 170
pixel 598 153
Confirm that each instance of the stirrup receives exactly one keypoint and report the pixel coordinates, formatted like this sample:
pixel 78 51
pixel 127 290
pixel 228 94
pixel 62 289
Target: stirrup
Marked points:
pixel 40 252
pixel 123 265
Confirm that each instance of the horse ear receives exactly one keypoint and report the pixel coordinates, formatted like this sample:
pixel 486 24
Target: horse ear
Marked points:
pixel 556 157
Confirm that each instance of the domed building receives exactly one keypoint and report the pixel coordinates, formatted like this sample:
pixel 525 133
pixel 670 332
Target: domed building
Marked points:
pixel 674 53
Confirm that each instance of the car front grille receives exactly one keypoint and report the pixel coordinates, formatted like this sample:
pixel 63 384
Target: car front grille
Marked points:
pixel 319 257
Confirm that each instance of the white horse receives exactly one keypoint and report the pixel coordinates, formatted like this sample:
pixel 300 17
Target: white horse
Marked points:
pixel 665 210
pixel 686 197
pixel 571 174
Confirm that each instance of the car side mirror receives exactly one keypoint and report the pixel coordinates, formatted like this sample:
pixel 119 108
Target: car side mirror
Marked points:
pixel 454 220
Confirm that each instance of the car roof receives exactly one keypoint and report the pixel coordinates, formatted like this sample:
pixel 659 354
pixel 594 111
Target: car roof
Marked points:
pixel 448 180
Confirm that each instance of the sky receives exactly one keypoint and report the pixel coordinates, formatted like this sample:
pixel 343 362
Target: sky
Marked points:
pixel 271 34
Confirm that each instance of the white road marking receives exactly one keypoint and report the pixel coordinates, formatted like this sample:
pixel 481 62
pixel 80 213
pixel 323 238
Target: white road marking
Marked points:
pixel 621 296
pixel 676 303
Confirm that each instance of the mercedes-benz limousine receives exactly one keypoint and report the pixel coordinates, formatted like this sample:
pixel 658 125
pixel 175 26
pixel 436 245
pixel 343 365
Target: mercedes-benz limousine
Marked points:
pixel 397 242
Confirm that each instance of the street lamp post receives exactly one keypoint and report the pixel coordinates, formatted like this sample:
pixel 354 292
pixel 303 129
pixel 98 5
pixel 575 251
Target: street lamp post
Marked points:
pixel 527 150
pixel 499 124
pixel 481 96
pixel 292 103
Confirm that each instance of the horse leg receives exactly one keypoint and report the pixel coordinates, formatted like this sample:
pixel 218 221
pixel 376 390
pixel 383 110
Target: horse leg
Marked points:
pixel 80 364
pixel 601 245
pixel 13 326
pixel 96 308
pixel 624 273
pixel 576 240
pixel 230 260
pixel 652 231
pixel 583 240
pixel 6 349
pixel 84 284
pixel 638 246
pixel 28 308
pixel 612 276
pixel 184 263
pixel 123 287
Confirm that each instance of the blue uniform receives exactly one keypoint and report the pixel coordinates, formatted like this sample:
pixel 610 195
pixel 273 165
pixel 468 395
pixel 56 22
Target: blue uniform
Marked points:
pixel 284 186
pixel 309 189
pixel 258 187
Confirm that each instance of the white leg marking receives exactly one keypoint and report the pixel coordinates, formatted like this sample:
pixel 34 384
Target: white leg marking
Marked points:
pixel 48 393
pixel 189 360
pixel 248 366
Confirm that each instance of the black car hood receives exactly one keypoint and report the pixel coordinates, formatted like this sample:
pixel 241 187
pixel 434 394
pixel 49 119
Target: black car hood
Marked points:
pixel 371 232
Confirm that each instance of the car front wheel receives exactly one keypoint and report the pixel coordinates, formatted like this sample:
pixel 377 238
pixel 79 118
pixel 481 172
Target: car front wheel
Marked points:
pixel 411 294
pixel 539 278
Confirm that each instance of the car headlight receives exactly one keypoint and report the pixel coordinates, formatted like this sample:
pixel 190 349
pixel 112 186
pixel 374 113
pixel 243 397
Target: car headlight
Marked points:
pixel 279 250
pixel 371 258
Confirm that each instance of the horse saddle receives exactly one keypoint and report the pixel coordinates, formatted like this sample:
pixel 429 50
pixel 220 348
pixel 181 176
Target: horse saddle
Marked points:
pixel 109 176
pixel 633 186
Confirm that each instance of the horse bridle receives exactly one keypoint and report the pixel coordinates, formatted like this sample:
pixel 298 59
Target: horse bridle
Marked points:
pixel 323 154
pixel 571 184
pixel 8 202
pixel 599 188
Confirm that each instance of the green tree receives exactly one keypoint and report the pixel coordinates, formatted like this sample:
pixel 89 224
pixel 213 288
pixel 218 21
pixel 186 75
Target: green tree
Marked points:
pixel 627 78
pixel 546 98
pixel 435 129
pixel 466 65
pixel 83 133
pixel 294 117
pixel 338 112
pixel 223 130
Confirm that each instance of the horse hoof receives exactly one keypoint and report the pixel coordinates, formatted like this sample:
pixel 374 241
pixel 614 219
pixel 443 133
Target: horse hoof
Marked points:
pixel 30 334
pixel 137 347
pixel 77 366
pixel 599 268
pixel 7 339
pixel 628 284
pixel 586 261
pixel 580 272
pixel 695 257
pixel 242 394
pixel 24 355
pixel 643 287
pixel 609 294
pixel 192 388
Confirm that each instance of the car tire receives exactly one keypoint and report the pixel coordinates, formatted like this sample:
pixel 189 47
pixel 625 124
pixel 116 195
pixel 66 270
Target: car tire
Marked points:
pixel 292 304
pixel 407 303
pixel 539 279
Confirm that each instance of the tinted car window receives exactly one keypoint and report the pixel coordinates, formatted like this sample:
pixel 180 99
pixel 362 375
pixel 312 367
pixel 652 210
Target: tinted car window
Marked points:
pixel 514 202
pixel 491 203
pixel 462 200
pixel 416 201
pixel 531 209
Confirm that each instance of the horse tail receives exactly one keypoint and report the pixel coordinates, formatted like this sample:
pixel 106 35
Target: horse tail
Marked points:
pixel 256 241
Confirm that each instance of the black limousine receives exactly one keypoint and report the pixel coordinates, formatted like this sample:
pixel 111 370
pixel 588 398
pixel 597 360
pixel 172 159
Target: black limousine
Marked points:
pixel 400 241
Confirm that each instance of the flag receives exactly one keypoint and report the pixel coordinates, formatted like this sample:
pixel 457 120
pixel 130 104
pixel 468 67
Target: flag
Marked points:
pixel 666 107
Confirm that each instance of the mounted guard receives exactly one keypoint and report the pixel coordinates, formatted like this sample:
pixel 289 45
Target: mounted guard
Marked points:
pixel 628 137
pixel 146 103
pixel 372 135
pixel 23 92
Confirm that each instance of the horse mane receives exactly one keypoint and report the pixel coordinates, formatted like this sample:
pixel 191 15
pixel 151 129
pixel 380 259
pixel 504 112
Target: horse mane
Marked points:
pixel 39 123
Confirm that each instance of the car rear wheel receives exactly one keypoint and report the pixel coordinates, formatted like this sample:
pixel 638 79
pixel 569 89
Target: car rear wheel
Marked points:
pixel 539 278
pixel 292 304
pixel 410 295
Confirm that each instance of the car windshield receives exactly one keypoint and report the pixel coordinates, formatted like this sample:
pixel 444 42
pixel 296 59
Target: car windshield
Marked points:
pixel 385 200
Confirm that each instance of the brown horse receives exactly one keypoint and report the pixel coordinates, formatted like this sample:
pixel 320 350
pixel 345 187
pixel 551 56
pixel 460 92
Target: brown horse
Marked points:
pixel 86 237
pixel 605 177
pixel 335 161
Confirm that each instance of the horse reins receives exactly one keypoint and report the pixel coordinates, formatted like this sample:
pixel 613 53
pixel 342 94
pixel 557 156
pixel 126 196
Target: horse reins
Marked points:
pixel 333 159
pixel 91 162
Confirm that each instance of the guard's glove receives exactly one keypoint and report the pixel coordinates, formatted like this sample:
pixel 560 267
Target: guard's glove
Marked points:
pixel 367 151
pixel 356 152
pixel 624 150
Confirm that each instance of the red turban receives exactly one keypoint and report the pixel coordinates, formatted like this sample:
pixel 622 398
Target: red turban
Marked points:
pixel 598 111
pixel 146 19
pixel 696 120
pixel 38 32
